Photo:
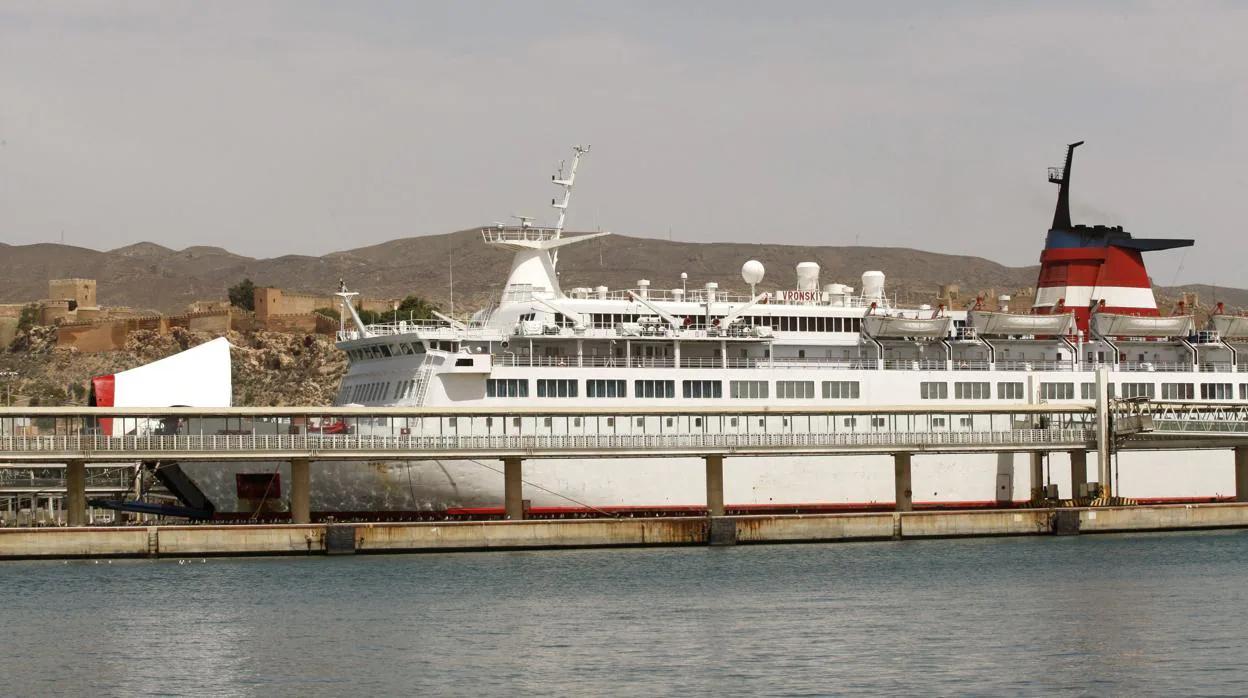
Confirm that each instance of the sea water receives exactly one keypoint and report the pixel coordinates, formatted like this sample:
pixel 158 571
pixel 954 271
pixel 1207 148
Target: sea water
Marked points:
pixel 1162 614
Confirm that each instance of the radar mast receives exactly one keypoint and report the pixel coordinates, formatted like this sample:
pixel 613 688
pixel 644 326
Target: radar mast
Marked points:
pixel 567 183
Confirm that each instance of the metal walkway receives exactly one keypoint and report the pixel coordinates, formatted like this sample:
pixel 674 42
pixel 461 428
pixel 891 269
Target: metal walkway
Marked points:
pixel 187 434
pixel 358 433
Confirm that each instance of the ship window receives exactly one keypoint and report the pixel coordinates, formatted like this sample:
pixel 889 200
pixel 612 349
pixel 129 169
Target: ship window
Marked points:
pixel 605 388
pixel 938 422
pixel 795 390
pixel 507 387
pixel 1187 391
pixel 641 421
pixel 1147 390
pixel 1087 391
pixel 1010 391
pixel 1216 391
pixel 515 422
pixel 972 390
pixel 452 421
pixel 934 390
pixel 851 421
pixel 749 390
pixel 732 421
pixel 1243 391
pixel 548 421
pixel 489 421
pixel 1057 391
pixel 965 421
pixel 556 387
pixel 840 390
pixel 654 388
pixel 702 389
pixel 610 421
pixel 384 349
pixel 878 421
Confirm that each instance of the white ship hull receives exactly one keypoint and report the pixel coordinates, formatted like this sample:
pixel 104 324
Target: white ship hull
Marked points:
pixel 810 346
pixel 680 482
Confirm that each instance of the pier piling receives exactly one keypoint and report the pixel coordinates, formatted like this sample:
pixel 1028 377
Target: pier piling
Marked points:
pixel 1036 459
pixel 903 482
pixel 715 485
pixel 1241 473
pixel 1078 474
pixel 76 493
pixel 513 489
pixel 300 491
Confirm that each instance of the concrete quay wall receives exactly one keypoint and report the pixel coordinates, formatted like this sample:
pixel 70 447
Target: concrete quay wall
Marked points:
pixel 314 539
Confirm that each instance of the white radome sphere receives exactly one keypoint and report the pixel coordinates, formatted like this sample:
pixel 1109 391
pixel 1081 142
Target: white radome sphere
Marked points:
pixel 752 271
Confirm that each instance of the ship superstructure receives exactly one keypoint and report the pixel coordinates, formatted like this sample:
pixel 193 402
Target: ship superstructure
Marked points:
pixel 811 344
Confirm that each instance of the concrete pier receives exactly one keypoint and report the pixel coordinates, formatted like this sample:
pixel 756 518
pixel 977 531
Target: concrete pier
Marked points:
pixel 446 536
pixel 513 489
pixel 903 482
pixel 715 485
pixel 1241 473
pixel 1078 474
pixel 300 491
pixel 76 493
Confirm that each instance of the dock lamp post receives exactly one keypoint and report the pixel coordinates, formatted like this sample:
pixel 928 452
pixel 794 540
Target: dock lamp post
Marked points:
pixel 8 377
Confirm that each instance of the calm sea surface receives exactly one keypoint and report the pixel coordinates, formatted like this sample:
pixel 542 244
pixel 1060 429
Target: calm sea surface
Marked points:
pixel 1095 615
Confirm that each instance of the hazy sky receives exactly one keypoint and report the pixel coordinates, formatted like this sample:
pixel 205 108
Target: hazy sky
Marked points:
pixel 271 128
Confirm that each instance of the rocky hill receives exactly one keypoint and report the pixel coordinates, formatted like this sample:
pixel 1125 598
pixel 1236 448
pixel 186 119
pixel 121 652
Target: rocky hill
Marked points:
pixel 150 276
pixel 269 368
pixel 147 275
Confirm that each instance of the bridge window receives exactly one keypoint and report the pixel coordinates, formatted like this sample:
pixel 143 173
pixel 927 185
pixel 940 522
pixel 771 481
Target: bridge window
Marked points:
pixel 1217 391
pixel 605 388
pixel 1057 391
pixel 934 390
pixel 556 387
pixel 749 390
pixel 840 390
pixel 1010 391
pixel 507 387
pixel 972 390
pixel 1147 390
pixel 652 388
pixel 702 389
pixel 795 390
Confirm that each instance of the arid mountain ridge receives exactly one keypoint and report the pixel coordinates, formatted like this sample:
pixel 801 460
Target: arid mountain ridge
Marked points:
pixel 149 276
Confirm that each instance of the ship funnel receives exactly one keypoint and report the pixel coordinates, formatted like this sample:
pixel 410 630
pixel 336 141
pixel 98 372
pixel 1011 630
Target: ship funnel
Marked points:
pixel 643 289
pixel 1061 215
pixel 1083 266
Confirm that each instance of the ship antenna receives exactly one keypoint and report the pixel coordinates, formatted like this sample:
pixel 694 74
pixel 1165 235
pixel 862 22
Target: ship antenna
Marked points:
pixel 567 184
pixel 1061 215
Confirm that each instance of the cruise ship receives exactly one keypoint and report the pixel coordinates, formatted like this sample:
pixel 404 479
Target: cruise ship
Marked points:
pixel 813 344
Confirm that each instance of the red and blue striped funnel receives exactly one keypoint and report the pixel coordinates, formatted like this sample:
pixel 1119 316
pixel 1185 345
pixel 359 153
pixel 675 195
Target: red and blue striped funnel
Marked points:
pixel 1097 267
